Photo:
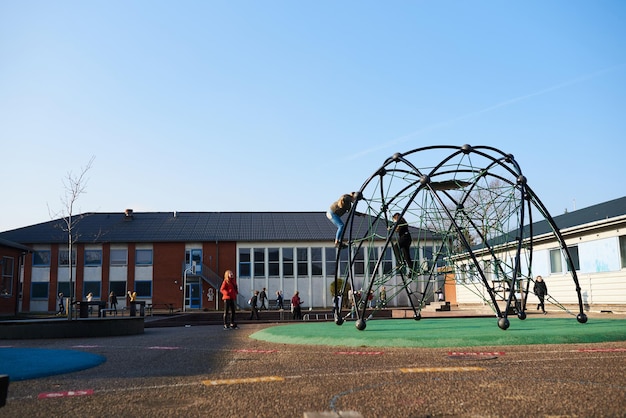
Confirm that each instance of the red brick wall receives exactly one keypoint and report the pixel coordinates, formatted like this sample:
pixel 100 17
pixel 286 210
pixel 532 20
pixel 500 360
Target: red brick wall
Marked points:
pixel 167 273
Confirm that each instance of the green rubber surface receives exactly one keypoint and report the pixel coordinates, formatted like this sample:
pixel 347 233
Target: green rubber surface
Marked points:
pixel 447 332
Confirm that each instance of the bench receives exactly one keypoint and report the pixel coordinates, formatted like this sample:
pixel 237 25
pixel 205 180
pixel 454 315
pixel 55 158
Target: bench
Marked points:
pixel 151 306
pixel 103 312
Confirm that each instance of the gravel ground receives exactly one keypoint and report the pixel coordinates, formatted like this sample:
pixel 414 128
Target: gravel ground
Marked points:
pixel 206 371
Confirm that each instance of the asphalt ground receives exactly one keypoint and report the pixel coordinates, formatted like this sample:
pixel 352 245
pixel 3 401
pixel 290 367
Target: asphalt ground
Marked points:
pixel 206 371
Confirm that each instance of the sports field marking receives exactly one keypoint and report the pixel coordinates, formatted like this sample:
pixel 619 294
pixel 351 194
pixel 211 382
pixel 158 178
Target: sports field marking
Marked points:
pixel 441 369
pixel 248 350
pixel 243 380
pixel 66 394
pixel 480 353
pixel 156 347
pixel 601 350
pixel 360 353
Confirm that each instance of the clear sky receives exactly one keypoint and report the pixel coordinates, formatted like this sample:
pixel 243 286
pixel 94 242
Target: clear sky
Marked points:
pixel 273 105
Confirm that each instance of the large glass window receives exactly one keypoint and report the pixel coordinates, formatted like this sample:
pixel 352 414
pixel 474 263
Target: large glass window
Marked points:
pixel 331 260
pixel 573 253
pixel 143 288
pixel 387 263
pixel 63 287
pixel 39 290
pixel 6 284
pixel 556 266
pixel 303 261
pixel 93 258
pixel 372 259
pixel 273 262
pixel 64 259
pixel 259 262
pixel 119 257
pixel 359 262
pixel 41 258
pixel 428 256
pixel 288 262
pixel 143 257
pixel 93 287
pixel 244 262
pixel 118 287
pixel 316 261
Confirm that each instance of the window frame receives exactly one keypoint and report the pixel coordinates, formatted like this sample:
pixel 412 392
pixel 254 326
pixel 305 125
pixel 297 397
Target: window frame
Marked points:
pixel 139 261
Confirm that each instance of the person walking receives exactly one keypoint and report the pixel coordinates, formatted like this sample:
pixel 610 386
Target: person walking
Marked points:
pixel 254 311
pixel 60 304
pixel 229 296
pixel 262 299
pixel 279 300
pixel 296 308
pixel 541 290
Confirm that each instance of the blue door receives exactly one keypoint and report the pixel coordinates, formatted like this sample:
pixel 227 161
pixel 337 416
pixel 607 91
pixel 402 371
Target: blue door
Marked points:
pixel 193 295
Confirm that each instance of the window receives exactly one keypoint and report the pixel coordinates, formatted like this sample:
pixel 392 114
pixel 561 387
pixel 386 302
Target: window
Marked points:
pixel 343 263
pixel 387 263
pixel 556 266
pixel 63 287
pixel 288 262
pixel 273 261
pixel 244 262
pixel 622 250
pixel 303 261
pixel 119 288
pixel 259 262
pixel 573 253
pixel 372 255
pixel 39 290
pixel 331 261
pixel 93 258
pixel 316 261
pixel 557 259
pixel 428 256
pixel 6 284
pixel 41 258
pixel 119 257
pixel 143 288
pixel 64 259
pixel 143 257
pixel 93 287
pixel 359 262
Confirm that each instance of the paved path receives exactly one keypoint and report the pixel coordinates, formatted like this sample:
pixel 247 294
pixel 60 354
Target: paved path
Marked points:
pixel 205 371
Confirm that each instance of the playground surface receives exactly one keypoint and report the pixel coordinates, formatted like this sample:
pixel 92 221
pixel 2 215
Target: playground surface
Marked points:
pixel 394 368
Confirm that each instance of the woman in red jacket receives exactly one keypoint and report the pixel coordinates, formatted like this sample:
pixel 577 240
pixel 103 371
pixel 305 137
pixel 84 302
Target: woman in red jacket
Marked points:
pixel 229 296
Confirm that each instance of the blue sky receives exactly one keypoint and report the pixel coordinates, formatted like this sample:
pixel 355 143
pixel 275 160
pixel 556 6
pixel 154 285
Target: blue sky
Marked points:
pixel 285 105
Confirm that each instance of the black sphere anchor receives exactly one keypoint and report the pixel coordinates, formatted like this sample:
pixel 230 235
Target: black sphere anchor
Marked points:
pixel 360 324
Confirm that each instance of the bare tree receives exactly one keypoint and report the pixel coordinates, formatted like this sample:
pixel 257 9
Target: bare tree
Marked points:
pixel 74 185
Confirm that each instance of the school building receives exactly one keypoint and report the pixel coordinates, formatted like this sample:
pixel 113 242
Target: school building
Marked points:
pixel 177 259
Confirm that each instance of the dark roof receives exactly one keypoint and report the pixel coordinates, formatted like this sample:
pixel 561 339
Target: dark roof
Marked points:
pixel 11 244
pixel 607 210
pixel 185 227
pixel 238 226
pixel 601 211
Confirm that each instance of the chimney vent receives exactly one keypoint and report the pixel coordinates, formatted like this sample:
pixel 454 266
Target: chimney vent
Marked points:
pixel 128 214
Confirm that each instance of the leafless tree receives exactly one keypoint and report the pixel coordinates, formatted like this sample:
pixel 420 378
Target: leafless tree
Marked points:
pixel 74 186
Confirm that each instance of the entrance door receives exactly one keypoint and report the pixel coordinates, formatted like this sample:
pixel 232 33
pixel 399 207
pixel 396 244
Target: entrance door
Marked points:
pixel 192 296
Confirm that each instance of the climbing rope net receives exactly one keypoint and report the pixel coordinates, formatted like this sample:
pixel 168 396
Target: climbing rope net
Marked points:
pixel 470 216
